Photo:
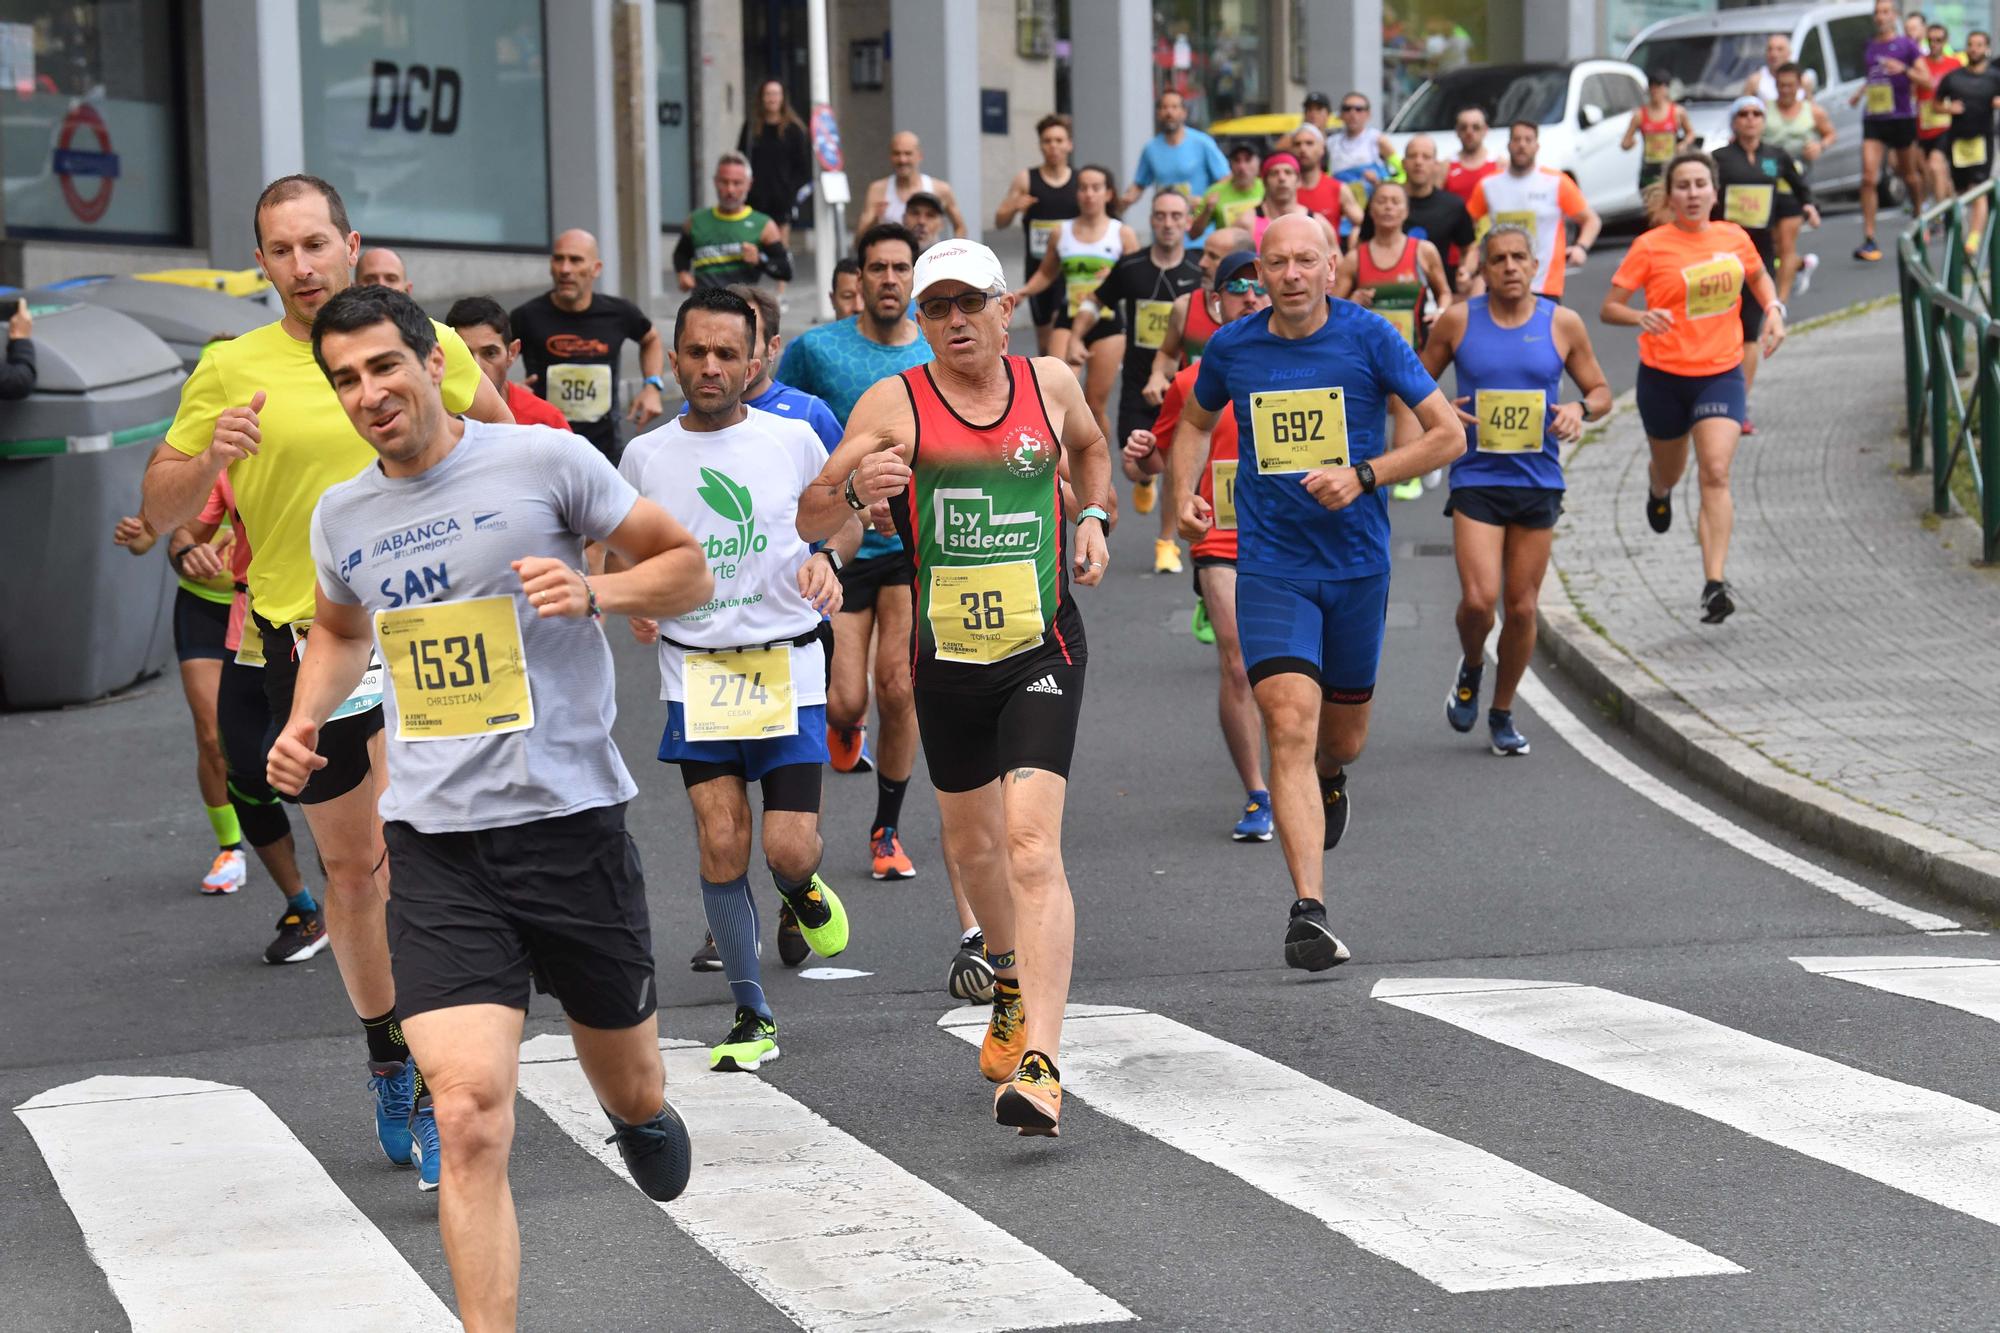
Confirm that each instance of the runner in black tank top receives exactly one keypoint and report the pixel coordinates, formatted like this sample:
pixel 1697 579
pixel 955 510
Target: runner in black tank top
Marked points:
pixel 1043 207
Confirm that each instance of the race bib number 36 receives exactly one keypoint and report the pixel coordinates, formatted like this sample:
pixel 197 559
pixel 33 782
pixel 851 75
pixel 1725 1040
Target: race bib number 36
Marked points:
pixel 1298 430
pixel 1713 288
pixel 740 696
pixel 581 393
pixel 982 614
pixel 459 669
pixel 1512 421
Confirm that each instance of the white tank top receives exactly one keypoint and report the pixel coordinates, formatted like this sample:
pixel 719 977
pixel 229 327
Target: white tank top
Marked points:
pixel 1110 246
pixel 1345 150
pixel 893 204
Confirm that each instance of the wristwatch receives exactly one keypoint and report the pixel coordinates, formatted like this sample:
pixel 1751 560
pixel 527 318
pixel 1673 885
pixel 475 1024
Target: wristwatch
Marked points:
pixel 655 382
pixel 854 502
pixel 832 557
pixel 1365 475
pixel 1096 512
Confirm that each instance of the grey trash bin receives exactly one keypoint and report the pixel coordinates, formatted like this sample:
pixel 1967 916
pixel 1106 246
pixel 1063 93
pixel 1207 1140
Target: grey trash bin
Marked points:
pixel 80 617
pixel 186 319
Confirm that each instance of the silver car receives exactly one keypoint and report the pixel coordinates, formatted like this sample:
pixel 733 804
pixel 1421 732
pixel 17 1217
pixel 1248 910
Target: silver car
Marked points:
pixel 1712 56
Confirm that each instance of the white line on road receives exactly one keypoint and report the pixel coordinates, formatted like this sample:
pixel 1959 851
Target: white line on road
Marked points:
pixel 206 1212
pixel 825 1228
pixel 1587 743
pixel 1909 1138
pixel 1968 984
pixel 1452 1213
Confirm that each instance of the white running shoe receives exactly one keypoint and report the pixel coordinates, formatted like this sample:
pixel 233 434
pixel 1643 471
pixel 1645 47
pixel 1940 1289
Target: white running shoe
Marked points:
pixel 1806 266
pixel 228 872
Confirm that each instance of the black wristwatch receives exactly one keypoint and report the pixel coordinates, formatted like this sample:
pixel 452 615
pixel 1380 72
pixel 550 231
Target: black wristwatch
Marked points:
pixel 832 557
pixel 1365 475
pixel 854 502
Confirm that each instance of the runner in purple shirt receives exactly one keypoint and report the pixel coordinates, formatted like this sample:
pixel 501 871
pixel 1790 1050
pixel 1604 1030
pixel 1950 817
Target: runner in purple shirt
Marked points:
pixel 1889 117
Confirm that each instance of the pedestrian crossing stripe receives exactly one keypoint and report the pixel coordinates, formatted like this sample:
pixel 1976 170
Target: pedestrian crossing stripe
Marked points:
pixel 1971 985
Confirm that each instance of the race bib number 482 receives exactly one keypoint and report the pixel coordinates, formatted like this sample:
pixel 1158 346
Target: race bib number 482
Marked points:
pixel 459 669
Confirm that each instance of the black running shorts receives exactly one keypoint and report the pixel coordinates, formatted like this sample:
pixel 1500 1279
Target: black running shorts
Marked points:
pixel 971 739
pixel 559 904
pixel 1536 507
pixel 862 580
pixel 343 744
pixel 200 628
pixel 1892 133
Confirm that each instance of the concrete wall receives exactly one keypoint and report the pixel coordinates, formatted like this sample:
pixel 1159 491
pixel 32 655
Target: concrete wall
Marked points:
pixel 1030 85
pixel 866 121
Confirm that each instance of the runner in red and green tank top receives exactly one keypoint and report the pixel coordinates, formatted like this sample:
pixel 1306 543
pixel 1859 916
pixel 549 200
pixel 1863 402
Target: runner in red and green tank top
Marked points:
pixel 1658 127
pixel 1390 270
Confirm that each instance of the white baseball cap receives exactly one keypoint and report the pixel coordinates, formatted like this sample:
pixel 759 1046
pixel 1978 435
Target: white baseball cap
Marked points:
pixel 964 261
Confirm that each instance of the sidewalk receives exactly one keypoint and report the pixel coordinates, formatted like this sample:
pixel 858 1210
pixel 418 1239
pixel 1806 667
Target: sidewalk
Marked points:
pixel 1851 695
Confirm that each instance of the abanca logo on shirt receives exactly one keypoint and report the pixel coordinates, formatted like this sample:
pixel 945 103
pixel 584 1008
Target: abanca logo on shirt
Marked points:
pixel 735 504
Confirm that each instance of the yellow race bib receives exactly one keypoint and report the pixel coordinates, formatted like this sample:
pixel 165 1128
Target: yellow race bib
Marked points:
pixel 740 696
pixel 459 667
pixel 1931 116
pixel 1881 99
pixel 1966 153
pixel 982 614
pixel 1748 206
pixel 1222 486
pixel 1525 221
pixel 1512 421
pixel 1150 323
pixel 581 393
pixel 1079 289
pixel 1405 322
pixel 250 648
pixel 1040 233
pixel 1660 146
pixel 1713 288
pixel 1298 430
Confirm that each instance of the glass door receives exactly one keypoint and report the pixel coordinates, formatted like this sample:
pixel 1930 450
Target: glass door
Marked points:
pixel 674 105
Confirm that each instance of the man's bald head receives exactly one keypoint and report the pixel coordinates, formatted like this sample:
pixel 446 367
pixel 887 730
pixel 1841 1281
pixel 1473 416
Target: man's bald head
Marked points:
pixel 383 267
pixel 574 268
pixel 578 242
pixel 1420 161
pixel 906 153
pixel 1294 262
pixel 1221 243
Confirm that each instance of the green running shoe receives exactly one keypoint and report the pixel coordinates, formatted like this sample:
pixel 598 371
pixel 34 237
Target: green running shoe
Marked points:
pixel 751 1041
pixel 1203 631
pixel 822 920
pixel 1413 489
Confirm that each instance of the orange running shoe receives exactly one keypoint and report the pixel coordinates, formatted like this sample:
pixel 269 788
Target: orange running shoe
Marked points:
pixel 843 748
pixel 891 862
pixel 1031 1102
pixel 1006 1034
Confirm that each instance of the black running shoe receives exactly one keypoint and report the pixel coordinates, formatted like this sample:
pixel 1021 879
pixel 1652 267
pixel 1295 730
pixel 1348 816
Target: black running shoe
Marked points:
pixel 1338 807
pixel 1716 603
pixel 300 936
pixel 657 1153
pixel 971 975
pixel 1660 511
pixel 1308 943
pixel 706 959
pixel 792 946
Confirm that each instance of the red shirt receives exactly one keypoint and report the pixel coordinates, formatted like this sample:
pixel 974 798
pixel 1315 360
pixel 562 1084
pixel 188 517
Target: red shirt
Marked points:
pixel 1322 198
pixel 1462 181
pixel 1219 542
pixel 531 410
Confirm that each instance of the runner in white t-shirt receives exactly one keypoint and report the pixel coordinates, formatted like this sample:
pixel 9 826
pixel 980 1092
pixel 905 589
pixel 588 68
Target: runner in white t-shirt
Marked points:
pixel 744 675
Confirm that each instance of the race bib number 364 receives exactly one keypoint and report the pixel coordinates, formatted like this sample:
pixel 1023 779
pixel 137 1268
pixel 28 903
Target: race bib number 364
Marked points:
pixel 581 393
pixel 459 669
pixel 1298 430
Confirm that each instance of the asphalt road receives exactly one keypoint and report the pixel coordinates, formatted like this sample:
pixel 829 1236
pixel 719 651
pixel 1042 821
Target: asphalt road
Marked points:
pixel 1818 1154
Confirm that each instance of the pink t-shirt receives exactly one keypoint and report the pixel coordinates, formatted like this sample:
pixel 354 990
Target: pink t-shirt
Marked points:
pixel 221 508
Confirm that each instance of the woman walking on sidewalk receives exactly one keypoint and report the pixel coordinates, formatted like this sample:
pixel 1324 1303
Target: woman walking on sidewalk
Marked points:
pixel 1694 272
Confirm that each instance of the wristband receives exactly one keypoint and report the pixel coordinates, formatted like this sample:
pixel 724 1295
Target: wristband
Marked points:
pixel 655 382
pixel 1778 306
pixel 594 611
pixel 832 557
pixel 1365 474
pixel 174 558
pixel 1096 512
pixel 854 502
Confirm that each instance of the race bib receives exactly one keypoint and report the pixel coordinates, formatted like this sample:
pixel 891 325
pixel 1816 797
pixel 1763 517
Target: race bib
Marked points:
pixel 1930 116
pixel 1748 206
pixel 1525 221
pixel 1079 290
pixel 580 393
pixel 459 667
pixel 1968 153
pixel 1512 421
pixel 1298 430
pixel 740 696
pixel 1150 323
pixel 1881 99
pixel 1222 485
pixel 1397 302
pixel 1712 288
pixel 364 696
pixel 1040 233
pixel 1660 146
pixel 982 614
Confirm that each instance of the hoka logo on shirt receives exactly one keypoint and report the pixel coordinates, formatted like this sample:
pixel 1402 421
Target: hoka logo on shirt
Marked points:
pixel 734 503
pixel 418 537
pixel 967 525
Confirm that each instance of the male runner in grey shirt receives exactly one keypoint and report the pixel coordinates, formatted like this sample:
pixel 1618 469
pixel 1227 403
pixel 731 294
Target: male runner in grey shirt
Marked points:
pixel 505 810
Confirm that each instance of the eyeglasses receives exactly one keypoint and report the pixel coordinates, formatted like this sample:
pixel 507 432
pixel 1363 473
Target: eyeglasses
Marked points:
pixel 1243 287
pixel 939 307
pixel 1351 106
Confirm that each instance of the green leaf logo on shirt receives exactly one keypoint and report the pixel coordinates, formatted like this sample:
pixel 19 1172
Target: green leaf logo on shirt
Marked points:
pixel 734 503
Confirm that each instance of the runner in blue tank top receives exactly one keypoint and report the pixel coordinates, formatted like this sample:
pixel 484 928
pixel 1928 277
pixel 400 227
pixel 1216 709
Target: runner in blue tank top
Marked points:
pixel 1510 348
pixel 1311 380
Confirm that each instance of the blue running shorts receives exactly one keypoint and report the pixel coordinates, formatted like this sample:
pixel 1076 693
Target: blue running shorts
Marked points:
pixel 1329 629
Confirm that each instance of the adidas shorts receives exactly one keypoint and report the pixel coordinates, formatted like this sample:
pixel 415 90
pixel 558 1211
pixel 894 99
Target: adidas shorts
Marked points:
pixel 970 739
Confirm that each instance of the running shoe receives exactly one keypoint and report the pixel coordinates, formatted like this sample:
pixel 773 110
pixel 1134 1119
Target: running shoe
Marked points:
pixel 1145 495
pixel 891 862
pixel 1804 281
pixel 822 920
pixel 1461 706
pixel 1507 738
pixel 300 936
pixel 1255 826
pixel 1660 511
pixel 706 959
pixel 657 1153
pixel 970 977
pixel 1339 807
pixel 752 1041
pixel 1202 628
pixel 1413 489
pixel 792 946
pixel 1308 942
pixel 424 1143
pixel 1006 1034
pixel 394 1084
pixel 1030 1103
pixel 1868 251
pixel 228 872
pixel 845 748
pixel 1434 479
pixel 1166 556
pixel 1748 428
pixel 1716 603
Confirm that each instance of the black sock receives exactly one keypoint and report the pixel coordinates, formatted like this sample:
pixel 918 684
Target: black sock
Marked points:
pixel 1710 587
pixel 888 800
pixel 791 890
pixel 385 1039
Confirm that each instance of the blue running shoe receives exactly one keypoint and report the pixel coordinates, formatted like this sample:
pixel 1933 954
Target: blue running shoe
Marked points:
pixel 1461 706
pixel 1507 739
pixel 395 1087
pixel 424 1143
pixel 1255 826
pixel 657 1153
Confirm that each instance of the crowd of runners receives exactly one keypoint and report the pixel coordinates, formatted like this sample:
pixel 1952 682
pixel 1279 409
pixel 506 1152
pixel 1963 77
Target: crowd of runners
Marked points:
pixel 406 548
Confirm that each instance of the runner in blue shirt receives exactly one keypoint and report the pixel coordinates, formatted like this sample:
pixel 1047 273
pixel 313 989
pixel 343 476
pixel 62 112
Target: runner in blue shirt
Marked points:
pixel 1177 157
pixel 1310 380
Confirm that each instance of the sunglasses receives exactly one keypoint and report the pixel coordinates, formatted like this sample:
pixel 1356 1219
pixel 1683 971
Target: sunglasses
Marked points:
pixel 1352 106
pixel 939 307
pixel 1243 287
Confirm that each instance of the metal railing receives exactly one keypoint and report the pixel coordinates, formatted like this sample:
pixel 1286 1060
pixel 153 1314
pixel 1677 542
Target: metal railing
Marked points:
pixel 1941 311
